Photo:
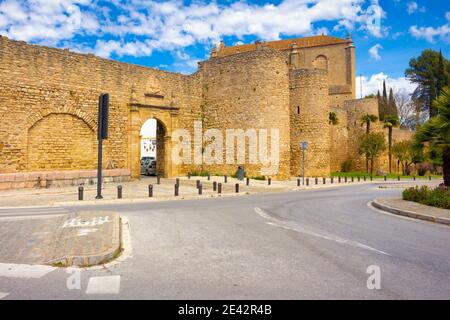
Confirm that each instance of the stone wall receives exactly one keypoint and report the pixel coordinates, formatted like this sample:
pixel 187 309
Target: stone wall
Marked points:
pixel 309 110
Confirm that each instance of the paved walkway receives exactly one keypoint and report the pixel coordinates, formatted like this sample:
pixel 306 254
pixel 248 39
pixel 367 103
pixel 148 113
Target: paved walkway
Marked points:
pixel 138 190
pixel 81 239
pixel 413 210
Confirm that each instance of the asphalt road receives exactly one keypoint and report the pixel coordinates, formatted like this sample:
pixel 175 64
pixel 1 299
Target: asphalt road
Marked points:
pixel 296 245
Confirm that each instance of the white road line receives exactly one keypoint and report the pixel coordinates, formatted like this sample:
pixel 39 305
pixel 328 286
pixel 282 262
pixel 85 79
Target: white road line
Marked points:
pixel 38 211
pixel 11 270
pixel 3 294
pixel 103 285
pixel 311 232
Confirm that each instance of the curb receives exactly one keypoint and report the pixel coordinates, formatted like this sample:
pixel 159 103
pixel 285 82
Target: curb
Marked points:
pixel 411 214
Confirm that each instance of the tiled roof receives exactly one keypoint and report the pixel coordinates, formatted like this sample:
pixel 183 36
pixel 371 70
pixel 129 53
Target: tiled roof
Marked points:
pixel 314 41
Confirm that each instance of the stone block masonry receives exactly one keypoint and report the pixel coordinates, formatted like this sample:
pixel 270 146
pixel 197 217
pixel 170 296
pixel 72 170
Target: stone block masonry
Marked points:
pixel 49 97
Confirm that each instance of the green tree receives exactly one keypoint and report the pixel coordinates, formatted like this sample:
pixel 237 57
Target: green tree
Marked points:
pixel 390 121
pixel 367 119
pixel 404 152
pixel 392 106
pixel 372 146
pixel 436 132
pixel 430 71
pixel 383 102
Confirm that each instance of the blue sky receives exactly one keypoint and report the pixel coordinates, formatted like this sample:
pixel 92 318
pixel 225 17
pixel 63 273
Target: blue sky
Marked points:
pixel 174 35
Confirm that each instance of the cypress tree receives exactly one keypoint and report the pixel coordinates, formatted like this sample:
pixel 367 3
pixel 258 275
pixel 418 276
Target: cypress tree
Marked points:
pixel 392 106
pixel 380 107
pixel 384 102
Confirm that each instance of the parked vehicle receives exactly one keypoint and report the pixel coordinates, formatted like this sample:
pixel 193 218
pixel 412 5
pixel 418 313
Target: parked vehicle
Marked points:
pixel 148 166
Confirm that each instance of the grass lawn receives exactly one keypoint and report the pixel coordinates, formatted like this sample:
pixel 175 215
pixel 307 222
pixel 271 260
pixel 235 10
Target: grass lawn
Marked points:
pixel 392 176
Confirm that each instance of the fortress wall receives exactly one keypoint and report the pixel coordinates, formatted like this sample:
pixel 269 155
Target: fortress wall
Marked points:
pixel 309 95
pixel 44 91
pixel 339 135
pixel 248 91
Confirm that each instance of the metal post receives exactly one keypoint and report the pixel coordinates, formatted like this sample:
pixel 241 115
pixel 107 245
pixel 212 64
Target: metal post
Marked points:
pixel 385 177
pixel 237 188
pixel 176 191
pixel 209 177
pixel 359 178
pixel 332 179
pixel 316 180
pixel 214 186
pixel 364 178
pixel 353 180
pixel 371 178
pixel 429 178
pixel 324 180
pixel 219 188
pixel 158 180
pixel 398 178
pixel 119 192
pixel 189 175
pixel 345 179
pixel 150 190
pixel 198 184
pixel 248 181
pixel 307 182
pixel 200 188
pixel 298 182
pixel 269 181
pixel 100 148
pixel 339 179
pixel 303 166
pixel 80 193
pixel 225 179
pixel 414 178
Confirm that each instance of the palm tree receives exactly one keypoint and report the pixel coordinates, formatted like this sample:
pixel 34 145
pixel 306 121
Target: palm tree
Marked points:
pixel 436 131
pixel 390 121
pixel 366 119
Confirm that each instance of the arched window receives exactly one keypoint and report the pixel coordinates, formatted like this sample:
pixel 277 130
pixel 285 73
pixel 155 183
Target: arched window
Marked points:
pixel 321 62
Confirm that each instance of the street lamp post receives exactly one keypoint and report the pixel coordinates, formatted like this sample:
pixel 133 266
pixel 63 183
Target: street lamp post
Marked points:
pixel 303 146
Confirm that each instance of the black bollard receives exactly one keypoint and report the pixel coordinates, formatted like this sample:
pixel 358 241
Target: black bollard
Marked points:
pixel 219 188
pixel 364 178
pixel 119 192
pixel 176 191
pixel 177 181
pixel 150 190
pixel 316 181
pixel 414 178
pixel 339 179
pixel 189 175
pixel 248 181
pixel 214 186
pixel 371 178
pixel 80 193
pixel 398 178
pixel 209 177
pixel 298 182
pixel 324 180
pixel 198 184
pixel 429 178
pixel 345 179
pixel 353 179
pixel 385 178
pixel 158 180
pixel 269 181
pixel 332 179
pixel 359 178
pixel 237 187
pixel 200 188
pixel 307 182
pixel 225 179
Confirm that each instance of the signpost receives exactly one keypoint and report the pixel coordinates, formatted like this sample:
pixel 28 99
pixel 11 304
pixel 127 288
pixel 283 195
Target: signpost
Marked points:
pixel 103 112
pixel 303 146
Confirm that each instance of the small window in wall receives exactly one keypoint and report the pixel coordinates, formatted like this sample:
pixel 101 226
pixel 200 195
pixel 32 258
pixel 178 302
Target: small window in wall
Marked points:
pixel 321 62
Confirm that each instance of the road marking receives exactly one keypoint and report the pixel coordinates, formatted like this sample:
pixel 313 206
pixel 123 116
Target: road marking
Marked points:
pixel 12 270
pixel 103 285
pixel 3 294
pixel 311 232
pixel 31 211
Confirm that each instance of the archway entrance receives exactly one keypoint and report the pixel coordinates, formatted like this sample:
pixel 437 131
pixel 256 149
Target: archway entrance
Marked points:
pixel 152 148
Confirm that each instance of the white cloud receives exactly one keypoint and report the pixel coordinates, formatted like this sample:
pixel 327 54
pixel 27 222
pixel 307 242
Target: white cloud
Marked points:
pixel 430 33
pixel 412 7
pixel 447 16
pixel 138 27
pixel 375 83
pixel 373 52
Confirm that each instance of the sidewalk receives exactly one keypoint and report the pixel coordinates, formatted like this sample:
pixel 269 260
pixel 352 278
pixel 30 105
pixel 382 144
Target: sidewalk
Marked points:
pixel 78 239
pixel 137 190
pixel 413 210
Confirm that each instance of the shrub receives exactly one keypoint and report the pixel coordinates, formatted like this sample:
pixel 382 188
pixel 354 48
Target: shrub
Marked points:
pixel 423 168
pixel 347 165
pixel 438 197
pixel 199 174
